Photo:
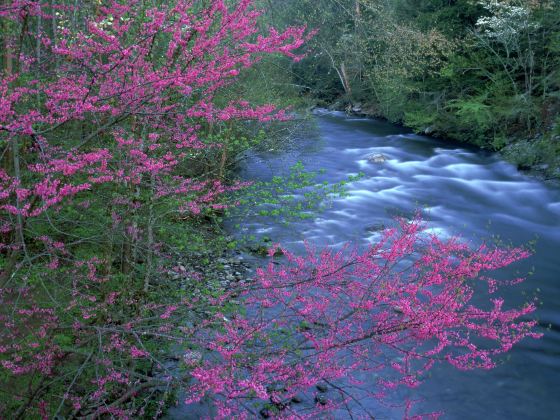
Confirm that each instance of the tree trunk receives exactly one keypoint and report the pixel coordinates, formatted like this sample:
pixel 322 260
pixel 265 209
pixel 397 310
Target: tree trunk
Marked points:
pixel 346 81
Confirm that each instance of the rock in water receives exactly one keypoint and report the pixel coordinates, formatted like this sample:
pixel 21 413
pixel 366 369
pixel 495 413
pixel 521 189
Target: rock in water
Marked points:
pixel 297 399
pixel 377 227
pixel 321 399
pixel 322 388
pixel 377 158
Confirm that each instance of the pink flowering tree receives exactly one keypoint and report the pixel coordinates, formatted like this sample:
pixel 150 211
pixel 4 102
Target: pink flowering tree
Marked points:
pixel 104 110
pixel 105 115
pixel 330 317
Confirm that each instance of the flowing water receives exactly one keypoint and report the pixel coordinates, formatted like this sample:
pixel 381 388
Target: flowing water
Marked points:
pixel 463 192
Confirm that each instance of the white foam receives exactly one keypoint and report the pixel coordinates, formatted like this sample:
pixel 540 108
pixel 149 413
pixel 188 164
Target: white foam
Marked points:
pixel 554 208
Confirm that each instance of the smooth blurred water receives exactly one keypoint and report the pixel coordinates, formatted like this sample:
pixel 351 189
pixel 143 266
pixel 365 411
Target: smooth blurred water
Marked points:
pixel 465 192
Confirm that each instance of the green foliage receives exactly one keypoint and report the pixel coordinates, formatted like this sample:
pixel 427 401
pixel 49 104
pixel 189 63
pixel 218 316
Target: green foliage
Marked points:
pixel 298 195
pixel 419 119
pixel 473 116
pixel 543 153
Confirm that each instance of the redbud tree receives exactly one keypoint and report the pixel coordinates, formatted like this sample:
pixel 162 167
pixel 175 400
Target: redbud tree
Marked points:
pixel 105 114
pixel 335 317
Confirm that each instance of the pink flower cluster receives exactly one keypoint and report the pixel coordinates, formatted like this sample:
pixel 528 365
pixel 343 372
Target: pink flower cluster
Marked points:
pixel 394 309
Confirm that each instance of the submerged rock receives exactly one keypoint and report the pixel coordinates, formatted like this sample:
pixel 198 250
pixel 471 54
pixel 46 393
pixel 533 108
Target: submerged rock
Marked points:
pixel 297 399
pixel 321 399
pixel 376 227
pixel 322 387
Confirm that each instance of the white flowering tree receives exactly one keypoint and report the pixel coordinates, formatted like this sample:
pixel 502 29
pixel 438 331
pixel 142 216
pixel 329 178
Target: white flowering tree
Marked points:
pixel 506 24
pixel 509 32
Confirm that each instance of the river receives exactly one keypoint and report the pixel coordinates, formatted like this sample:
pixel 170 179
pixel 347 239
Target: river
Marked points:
pixel 465 192
pixel 462 191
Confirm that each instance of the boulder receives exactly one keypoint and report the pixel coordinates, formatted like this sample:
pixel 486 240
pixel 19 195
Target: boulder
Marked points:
pixel 377 158
pixel 429 131
pixel 356 108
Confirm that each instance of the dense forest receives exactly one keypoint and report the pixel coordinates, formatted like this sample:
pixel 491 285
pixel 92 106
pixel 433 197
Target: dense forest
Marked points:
pixel 483 72
pixel 123 125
